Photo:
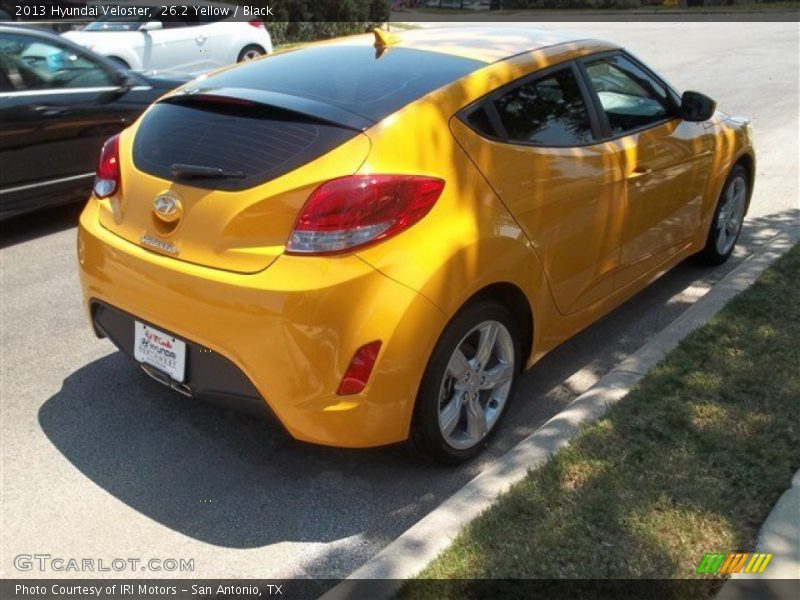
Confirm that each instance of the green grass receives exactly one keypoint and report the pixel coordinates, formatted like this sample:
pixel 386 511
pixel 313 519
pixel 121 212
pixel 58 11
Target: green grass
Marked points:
pixel 691 461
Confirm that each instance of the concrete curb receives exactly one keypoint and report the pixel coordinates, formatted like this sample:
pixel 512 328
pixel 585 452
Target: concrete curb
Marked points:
pixel 406 556
pixel 780 536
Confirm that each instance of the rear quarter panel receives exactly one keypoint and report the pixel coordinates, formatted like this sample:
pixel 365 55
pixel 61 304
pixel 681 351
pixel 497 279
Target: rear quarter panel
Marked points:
pixel 469 240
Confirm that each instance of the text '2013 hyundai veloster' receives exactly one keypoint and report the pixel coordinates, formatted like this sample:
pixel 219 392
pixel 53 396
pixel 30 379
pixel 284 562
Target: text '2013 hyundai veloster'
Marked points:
pixel 372 237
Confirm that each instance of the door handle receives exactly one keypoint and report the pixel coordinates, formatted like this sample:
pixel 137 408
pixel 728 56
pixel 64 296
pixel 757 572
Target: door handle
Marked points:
pixel 49 111
pixel 200 39
pixel 639 171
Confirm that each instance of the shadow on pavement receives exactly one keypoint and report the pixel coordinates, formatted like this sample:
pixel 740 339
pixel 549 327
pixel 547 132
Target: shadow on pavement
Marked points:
pixel 28 227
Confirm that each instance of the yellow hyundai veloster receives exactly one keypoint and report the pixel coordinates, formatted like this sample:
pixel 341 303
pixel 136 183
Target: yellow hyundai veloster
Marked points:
pixel 372 237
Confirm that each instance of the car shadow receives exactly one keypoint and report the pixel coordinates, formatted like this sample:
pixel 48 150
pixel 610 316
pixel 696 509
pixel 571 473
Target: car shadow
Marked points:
pixel 236 481
pixel 24 228
pixel 212 474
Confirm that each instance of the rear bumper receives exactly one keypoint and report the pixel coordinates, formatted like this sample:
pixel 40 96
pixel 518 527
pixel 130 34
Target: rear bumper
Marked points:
pixel 211 376
pixel 284 336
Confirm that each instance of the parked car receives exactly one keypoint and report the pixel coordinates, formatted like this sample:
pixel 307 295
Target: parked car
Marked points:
pixel 184 42
pixel 58 103
pixel 374 242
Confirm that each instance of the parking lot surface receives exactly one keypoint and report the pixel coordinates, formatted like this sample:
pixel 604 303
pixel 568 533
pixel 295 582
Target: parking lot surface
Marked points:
pixel 100 462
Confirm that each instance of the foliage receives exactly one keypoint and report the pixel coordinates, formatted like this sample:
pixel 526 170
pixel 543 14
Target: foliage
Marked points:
pixel 308 20
pixel 561 4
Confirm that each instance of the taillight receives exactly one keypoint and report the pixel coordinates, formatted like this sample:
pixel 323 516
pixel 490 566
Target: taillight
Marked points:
pixel 347 213
pixel 106 181
pixel 256 23
pixel 357 375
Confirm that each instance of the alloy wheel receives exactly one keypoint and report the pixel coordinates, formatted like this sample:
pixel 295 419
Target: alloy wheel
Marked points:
pixel 476 385
pixel 731 214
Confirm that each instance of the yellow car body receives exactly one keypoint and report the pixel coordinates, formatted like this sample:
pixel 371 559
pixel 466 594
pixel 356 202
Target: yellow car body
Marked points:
pixel 560 235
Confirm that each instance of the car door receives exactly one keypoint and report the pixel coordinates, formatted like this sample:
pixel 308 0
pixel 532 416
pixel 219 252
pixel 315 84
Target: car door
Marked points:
pixel 57 107
pixel 212 38
pixel 666 161
pixel 172 48
pixel 536 142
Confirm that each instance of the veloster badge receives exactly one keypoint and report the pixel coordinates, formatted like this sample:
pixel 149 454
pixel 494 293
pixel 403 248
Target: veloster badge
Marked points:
pixel 156 244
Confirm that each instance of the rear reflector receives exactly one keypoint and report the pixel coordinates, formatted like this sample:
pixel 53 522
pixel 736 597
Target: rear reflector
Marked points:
pixel 357 375
pixel 106 181
pixel 256 23
pixel 347 213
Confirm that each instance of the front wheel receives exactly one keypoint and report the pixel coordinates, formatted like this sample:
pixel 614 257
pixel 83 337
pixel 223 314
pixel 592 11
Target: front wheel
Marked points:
pixel 250 52
pixel 728 219
pixel 468 383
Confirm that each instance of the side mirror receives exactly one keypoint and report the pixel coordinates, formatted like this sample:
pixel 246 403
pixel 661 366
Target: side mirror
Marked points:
pixel 151 26
pixel 125 82
pixel 697 107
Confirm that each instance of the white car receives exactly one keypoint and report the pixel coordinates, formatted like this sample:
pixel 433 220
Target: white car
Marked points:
pixel 187 43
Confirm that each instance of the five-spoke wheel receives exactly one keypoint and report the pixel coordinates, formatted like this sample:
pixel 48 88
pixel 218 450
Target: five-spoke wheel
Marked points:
pixel 468 383
pixel 476 384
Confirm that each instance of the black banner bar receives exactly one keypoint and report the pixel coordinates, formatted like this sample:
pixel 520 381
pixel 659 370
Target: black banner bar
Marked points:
pixel 80 12
pixel 310 589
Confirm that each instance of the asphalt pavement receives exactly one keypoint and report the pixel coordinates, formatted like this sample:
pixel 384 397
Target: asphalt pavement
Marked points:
pixel 98 461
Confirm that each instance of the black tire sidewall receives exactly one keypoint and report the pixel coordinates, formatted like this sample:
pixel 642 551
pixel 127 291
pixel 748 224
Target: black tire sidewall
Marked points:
pixel 242 52
pixel 425 434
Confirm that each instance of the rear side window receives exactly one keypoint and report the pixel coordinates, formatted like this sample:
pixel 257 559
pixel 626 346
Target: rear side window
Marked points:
pixel 548 111
pixel 256 142
pixel 479 120
pixel 630 97
pixel 356 78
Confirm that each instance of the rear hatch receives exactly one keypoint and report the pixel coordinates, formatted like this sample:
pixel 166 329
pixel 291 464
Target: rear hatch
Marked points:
pixel 242 149
pixel 239 215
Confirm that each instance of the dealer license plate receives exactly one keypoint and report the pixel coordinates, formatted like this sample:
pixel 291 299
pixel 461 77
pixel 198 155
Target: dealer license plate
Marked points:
pixel 160 350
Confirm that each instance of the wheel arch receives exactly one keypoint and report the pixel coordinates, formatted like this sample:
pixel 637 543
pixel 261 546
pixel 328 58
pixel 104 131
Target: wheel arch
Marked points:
pixel 748 161
pixel 248 45
pixel 744 157
pixel 514 299
pixel 129 57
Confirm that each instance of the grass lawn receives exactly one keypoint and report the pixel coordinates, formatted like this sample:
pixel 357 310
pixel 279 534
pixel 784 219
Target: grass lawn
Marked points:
pixel 691 461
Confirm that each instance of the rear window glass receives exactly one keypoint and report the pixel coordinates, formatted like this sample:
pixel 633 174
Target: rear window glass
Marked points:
pixel 258 143
pixel 355 78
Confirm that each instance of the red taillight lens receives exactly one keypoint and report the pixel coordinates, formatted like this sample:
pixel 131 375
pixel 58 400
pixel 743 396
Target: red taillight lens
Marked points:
pixel 346 213
pixel 256 23
pixel 357 375
pixel 106 181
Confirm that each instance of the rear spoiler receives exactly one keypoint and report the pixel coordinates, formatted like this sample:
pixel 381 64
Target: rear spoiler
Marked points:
pixel 314 109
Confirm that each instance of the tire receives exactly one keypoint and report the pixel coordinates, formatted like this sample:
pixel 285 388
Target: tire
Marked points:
pixel 728 218
pixel 444 396
pixel 250 52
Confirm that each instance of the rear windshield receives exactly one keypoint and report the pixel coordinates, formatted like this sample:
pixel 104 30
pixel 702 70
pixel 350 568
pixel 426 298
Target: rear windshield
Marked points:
pixel 257 143
pixel 355 78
